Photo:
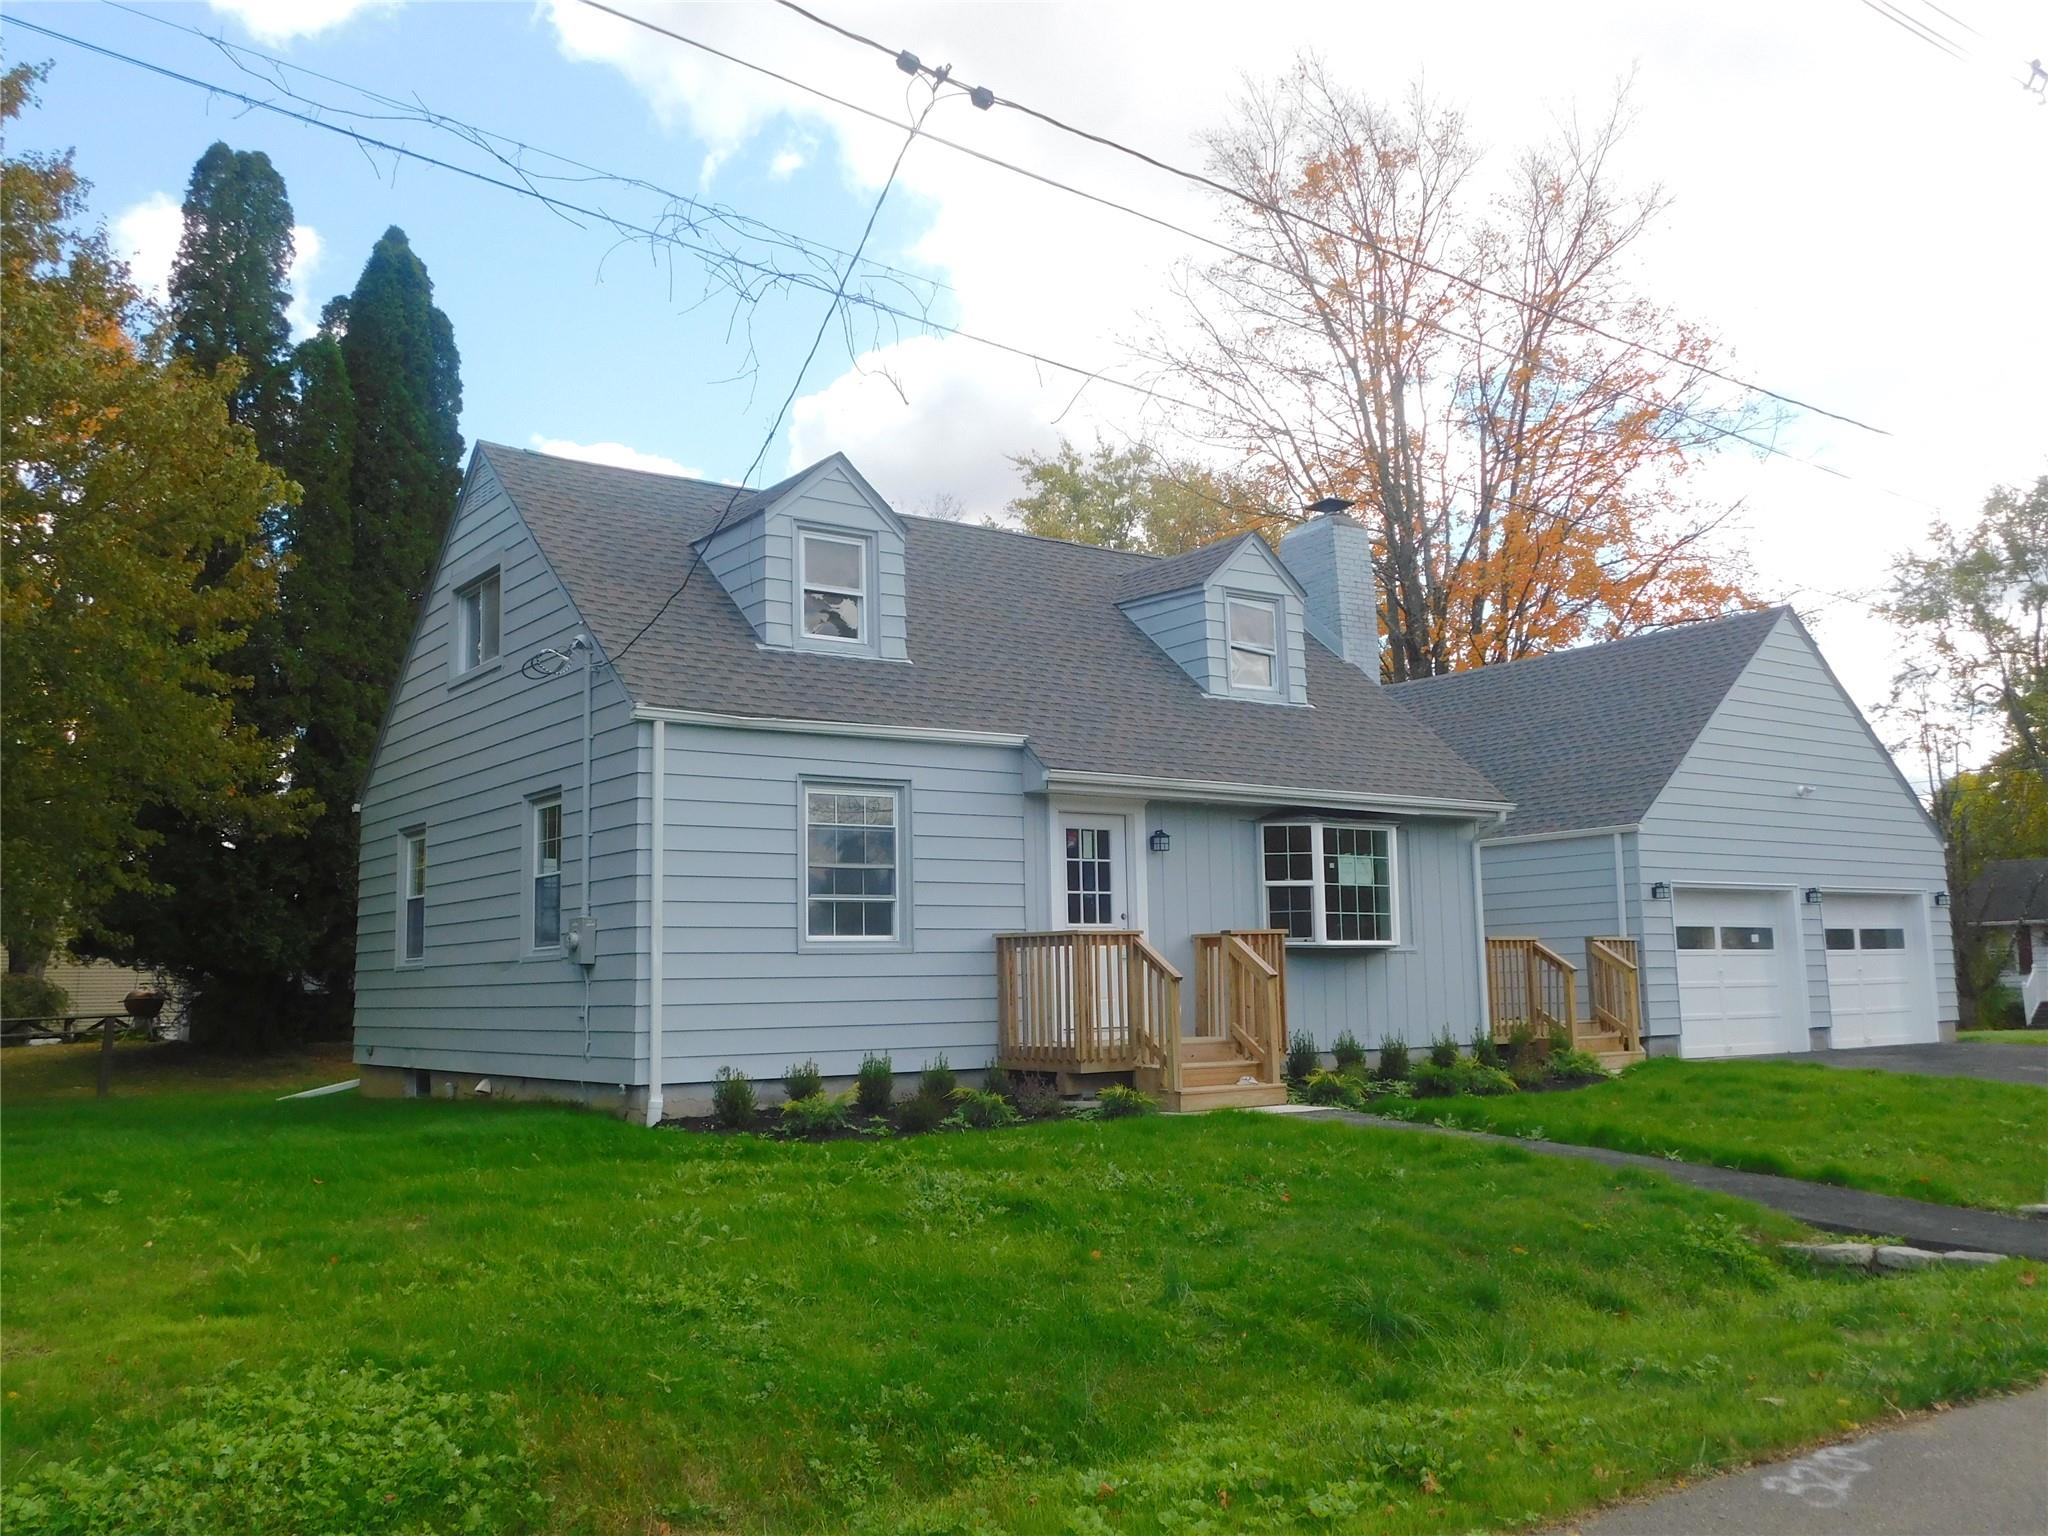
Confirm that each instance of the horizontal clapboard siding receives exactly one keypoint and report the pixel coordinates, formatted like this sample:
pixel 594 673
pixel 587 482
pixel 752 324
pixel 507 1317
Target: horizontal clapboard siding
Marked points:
pixel 744 990
pixel 461 759
pixel 1730 814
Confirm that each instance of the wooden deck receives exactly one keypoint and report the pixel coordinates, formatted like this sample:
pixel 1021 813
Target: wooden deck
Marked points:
pixel 1087 1001
pixel 1528 982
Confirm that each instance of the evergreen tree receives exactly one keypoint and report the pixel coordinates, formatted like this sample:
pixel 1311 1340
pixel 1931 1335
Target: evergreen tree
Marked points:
pixel 227 291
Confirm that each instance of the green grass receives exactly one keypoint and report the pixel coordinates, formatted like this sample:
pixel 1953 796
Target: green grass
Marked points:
pixel 1232 1322
pixel 2006 1036
pixel 1949 1139
pixel 60 1072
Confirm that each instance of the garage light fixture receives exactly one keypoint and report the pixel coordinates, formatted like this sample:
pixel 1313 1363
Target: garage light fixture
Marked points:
pixel 1160 841
pixel 1660 892
pixel 1812 895
pixel 1941 898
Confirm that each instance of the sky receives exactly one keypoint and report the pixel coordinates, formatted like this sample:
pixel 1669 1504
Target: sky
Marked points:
pixel 1856 213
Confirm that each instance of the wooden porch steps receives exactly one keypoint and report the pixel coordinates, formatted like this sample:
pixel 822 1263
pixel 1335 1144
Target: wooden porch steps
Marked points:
pixel 1605 1047
pixel 1190 1100
pixel 1212 1076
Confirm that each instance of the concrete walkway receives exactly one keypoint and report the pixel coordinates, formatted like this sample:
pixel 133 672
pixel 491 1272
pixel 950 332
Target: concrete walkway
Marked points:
pixel 1975 1471
pixel 1917 1222
pixel 1962 1058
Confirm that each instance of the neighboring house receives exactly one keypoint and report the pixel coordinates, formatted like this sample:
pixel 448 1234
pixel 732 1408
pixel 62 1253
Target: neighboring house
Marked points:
pixel 2010 898
pixel 851 752
pixel 1711 792
pixel 96 987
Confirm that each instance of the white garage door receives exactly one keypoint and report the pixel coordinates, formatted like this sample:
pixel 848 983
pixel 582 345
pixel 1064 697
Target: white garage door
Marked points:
pixel 1880 991
pixel 1733 953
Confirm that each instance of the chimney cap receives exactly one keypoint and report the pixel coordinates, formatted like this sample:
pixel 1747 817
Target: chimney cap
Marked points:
pixel 1329 505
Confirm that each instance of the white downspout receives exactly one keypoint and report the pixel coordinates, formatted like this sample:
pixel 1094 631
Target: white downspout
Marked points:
pixel 657 902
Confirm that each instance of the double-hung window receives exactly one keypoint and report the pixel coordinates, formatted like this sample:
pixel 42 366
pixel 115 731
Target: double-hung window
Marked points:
pixel 853 861
pixel 1330 882
pixel 412 896
pixel 545 853
pixel 476 623
pixel 1254 626
pixel 834 580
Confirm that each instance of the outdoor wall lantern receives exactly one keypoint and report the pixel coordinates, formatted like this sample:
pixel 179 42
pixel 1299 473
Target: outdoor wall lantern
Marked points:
pixel 1660 891
pixel 1941 898
pixel 1160 841
pixel 1813 895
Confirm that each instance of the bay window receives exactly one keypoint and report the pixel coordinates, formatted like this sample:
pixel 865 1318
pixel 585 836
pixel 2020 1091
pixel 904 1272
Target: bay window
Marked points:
pixel 1330 882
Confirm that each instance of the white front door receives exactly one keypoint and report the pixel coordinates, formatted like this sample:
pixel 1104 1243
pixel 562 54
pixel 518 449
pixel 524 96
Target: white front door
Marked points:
pixel 1732 968
pixel 1093 887
pixel 1879 989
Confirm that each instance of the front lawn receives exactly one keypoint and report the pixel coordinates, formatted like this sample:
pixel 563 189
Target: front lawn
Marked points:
pixel 2006 1036
pixel 1949 1139
pixel 343 1315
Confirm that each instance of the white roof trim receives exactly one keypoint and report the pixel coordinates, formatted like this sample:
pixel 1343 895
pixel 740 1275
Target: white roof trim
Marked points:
pixel 828 727
pixel 1562 836
pixel 1266 794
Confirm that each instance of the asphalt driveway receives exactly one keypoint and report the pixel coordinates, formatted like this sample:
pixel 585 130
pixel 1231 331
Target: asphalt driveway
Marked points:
pixel 1962 1058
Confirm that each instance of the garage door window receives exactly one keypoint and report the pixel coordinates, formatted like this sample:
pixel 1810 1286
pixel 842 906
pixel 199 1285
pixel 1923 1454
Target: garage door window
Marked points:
pixel 1881 938
pixel 1746 938
pixel 1841 938
pixel 1695 938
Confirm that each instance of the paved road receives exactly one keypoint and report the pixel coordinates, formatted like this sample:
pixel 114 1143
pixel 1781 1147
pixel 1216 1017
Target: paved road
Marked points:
pixel 1918 1222
pixel 1961 1058
pixel 1975 1471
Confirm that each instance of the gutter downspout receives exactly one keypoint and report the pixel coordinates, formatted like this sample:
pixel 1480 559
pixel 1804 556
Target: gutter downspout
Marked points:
pixel 588 647
pixel 658 822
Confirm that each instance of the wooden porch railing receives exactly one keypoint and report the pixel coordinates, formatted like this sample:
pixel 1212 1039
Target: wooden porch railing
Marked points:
pixel 1613 990
pixel 1241 994
pixel 1528 982
pixel 1086 999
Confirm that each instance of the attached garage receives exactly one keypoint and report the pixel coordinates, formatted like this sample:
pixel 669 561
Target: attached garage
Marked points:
pixel 1880 976
pixel 1737 973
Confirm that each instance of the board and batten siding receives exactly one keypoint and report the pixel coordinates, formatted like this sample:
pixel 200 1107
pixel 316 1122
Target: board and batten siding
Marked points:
pixel 1731 815
pixel 1560 890
pixel 743 988
pixel 462 758
pixel 1209 880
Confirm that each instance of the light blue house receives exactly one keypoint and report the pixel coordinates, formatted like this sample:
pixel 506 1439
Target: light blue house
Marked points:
pixel 678 777
pixel 1710 796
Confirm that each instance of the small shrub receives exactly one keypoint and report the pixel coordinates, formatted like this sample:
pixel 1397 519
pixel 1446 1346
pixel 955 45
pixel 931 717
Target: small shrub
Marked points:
pixel 981 1110
pixel 1999 1007
pixel 1529 1072
pixel 23 996
pixel 1521 1043
pixel 937 1080
pixel 1116 1102
pixel 1346 1051
pixel 875 1084
pixel 732 1099
pixel 1434 1082
pixel 1393 1059
pixel 922 1113
pixel 1301 1057
pixel 996 1080
pixel 814 1114
pixel 1559 1040
pixel 1443 1051
pixel 1574 1067
pixel 1339 1089
pixel 1036 1098
pixel 1484 1051
pixel 803 1081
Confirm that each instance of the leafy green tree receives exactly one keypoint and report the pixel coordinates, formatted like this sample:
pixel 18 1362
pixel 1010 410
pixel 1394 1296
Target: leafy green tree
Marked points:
pixel 124 475
pixel 228 286
pixel 1136 498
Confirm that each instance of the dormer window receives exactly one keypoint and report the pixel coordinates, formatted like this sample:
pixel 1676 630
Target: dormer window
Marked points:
pixel 1254 625
pixel 834 577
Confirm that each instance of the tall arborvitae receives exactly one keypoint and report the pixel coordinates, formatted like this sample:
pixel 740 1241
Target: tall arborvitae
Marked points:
pixel 228 287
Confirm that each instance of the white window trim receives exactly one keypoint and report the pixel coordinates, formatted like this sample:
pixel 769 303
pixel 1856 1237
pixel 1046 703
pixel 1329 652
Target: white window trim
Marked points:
pixel 531 907
pixel 901 938
pixel 863 545
pixel 1318 896
pixel 1277 654
pixel 472 585
pixel 406 840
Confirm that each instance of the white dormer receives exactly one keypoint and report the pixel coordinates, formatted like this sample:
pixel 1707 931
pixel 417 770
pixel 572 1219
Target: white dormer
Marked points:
pixel 816 564
pixel 1230 616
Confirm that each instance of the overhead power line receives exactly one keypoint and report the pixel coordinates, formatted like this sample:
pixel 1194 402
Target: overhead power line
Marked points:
pixel 1915 29
pixel 1278 211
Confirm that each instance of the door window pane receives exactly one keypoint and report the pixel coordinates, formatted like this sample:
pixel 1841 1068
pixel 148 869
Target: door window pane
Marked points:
pixel 1090 896
pixel 1691 937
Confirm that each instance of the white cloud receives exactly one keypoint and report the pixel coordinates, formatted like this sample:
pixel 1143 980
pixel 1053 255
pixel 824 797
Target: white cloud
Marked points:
pixel 146 236
pixel 618 455
pixel 304 311
pixel 787 163
pixel 279 21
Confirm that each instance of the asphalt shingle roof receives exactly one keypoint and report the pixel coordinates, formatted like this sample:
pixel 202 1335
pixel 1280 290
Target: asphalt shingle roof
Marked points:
pixel 1007 633
pixel 2009 891
pixel 1176 572
pixel 1587 738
